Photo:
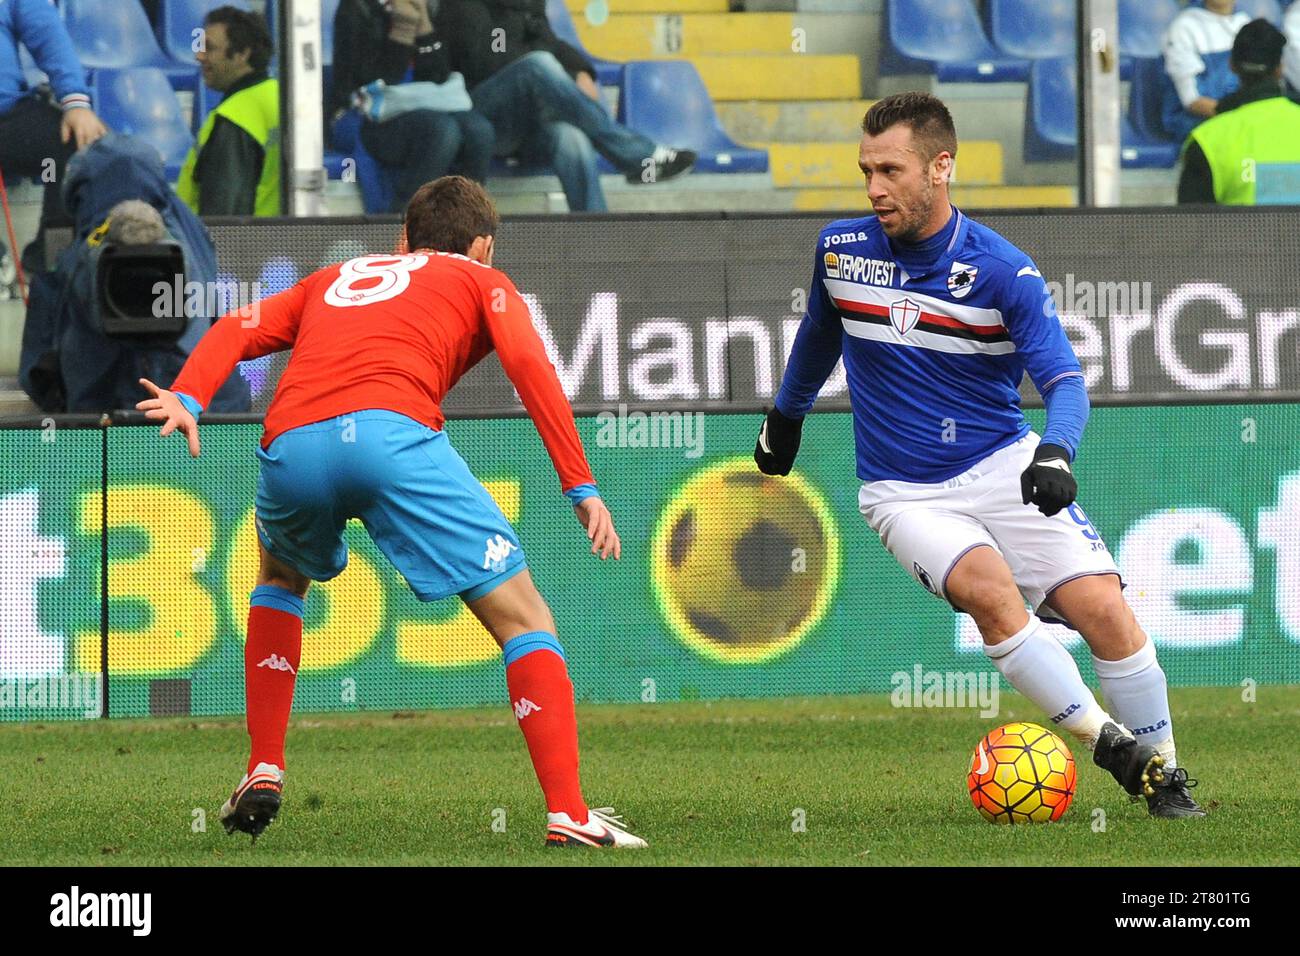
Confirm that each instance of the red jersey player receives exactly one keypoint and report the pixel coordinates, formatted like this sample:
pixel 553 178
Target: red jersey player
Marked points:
pixel 355 430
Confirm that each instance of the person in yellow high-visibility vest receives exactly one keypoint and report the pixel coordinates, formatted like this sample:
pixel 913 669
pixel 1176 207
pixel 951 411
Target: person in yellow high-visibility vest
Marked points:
pixel 234 168
pixel 1249 152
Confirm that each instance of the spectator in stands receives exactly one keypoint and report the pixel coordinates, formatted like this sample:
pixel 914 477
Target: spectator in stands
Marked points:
pixel 388 40
pixel 1250 151
pixel 40 129
pixel 541 96
pixel 1197 44
pixel 1291 63
pixel 234 168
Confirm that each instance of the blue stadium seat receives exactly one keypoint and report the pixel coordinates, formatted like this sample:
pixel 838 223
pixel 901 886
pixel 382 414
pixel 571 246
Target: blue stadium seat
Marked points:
pixel 667 101
pixel 1269 10
pixel 177 21
pixel 1051 130
pixel 1144 97
pixel 1142 25
pixel 118 36
pixel 946 38
pixel 1051 126
pixel 375 182
pixel 1033 29
pixel 141 102
pixel 608 73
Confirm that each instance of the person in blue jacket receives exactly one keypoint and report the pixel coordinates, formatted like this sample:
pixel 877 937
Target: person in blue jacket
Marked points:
pixel 41 128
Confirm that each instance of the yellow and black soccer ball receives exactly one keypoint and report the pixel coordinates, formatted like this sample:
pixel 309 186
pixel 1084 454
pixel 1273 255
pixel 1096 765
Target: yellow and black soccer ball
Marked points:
pixel 744 564
pixel 1021 773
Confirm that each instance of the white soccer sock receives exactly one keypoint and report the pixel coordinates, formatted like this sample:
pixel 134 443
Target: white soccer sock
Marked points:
pixel 1136 689
pixel 1036 664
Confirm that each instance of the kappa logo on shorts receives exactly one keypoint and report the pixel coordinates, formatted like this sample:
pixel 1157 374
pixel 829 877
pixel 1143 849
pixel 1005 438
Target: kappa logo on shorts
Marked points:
pixel 496 552
pixel 923 576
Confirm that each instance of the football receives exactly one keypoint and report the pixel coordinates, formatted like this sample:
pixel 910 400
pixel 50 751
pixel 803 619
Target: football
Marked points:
pixel 1021 773
pixel 744 565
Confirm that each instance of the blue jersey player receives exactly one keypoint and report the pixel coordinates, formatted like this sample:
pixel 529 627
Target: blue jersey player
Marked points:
pixel 937 319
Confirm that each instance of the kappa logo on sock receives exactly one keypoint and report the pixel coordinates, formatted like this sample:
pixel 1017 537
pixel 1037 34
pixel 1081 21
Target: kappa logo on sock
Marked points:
pixel 524 707
pixel 278 663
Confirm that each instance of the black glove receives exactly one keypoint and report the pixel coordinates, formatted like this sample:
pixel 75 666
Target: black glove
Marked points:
pixel 1048 481
pixel 778 443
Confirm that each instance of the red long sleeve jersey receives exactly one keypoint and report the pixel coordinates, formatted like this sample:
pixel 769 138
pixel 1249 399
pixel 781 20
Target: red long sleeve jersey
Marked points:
pixel 394 332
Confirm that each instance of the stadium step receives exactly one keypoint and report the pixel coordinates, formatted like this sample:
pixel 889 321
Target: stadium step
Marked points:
pixel 752 193
pixel 968 197
pixel 13 400
pixel 831 165
pixel 578 7
pixel 837 121
pixel 659 36
pixel 768 76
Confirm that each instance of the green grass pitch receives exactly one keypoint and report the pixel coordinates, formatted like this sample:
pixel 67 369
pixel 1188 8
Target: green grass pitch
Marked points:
pixel 718 783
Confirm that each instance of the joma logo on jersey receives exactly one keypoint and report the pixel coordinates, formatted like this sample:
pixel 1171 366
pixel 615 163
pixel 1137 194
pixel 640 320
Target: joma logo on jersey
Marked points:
pixel 859 269
pixel 837 238
pixel 496 552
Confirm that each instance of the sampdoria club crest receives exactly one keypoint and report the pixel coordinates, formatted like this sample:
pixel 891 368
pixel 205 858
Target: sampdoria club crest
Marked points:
pixel 961 279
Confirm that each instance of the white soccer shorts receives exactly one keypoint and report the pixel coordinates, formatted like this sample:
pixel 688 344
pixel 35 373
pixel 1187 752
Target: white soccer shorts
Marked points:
pixel 929 527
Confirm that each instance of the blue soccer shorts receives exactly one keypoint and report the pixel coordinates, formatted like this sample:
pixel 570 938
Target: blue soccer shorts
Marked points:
pixel 413 492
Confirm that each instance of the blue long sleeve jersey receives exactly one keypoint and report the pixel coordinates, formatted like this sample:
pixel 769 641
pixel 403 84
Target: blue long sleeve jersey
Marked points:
pixel 36 25
pixel 934 360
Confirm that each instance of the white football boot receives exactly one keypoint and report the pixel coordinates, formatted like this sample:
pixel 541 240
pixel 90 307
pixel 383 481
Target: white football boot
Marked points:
pixel 603 828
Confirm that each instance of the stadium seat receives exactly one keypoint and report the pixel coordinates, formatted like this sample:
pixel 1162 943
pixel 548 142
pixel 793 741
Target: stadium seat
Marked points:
pixel 1144 98
pixel 667 101
pixel 139 101
pixel 375 182
pixel 177 21
pixel 117 36
pixel 1051 126
pixel 1033 29
pixel 1142 25
pixel 608 73
pixel 946 38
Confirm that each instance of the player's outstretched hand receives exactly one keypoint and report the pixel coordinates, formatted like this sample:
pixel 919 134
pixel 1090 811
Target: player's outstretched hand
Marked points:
pixel 595 517
pixel 1048 481
pixel 167 408
pixel 778 443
